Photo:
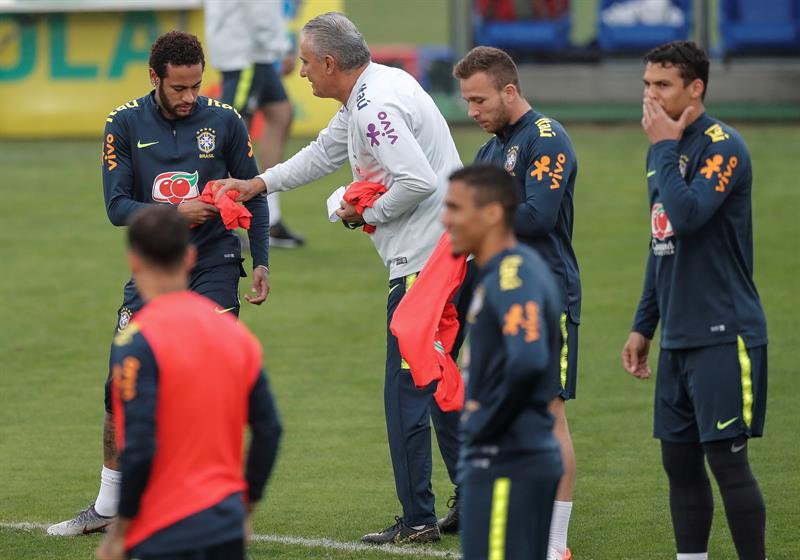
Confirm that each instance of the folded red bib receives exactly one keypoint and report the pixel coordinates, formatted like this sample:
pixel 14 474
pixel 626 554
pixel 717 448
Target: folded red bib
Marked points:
pixel 362 195
pixel 233 214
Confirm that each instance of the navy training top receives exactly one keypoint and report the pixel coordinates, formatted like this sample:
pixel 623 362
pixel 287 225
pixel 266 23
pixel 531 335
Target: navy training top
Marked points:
pixel 537 151
pixel 516 343
pixel 699 275
pixel 148 158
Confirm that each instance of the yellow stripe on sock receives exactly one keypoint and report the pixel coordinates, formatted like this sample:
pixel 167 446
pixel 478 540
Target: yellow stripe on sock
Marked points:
pixel 499 519
pixel 747 382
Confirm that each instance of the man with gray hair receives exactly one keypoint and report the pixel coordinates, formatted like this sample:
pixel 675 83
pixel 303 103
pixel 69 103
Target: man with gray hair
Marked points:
pixel 393 134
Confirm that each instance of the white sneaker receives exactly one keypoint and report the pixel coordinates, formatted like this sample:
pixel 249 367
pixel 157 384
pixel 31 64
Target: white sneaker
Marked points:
pixel 553 554
pixel 86 522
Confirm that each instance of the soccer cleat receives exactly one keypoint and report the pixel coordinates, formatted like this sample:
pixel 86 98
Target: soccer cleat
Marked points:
pixel 86 522
pixel 281 237
pixel 400 533
pixel 553 554
pixel 449 523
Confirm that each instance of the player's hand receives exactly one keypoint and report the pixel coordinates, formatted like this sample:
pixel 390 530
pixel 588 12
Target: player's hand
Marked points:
pixel 634 355
pixel 469 407
pixel 349 214
pixel 248 188
pixel 260 286
pixel 112 547
pixel 658 125
pixel 197 212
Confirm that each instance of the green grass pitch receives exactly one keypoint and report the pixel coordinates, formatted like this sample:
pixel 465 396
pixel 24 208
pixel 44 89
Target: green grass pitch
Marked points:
pixel 323 333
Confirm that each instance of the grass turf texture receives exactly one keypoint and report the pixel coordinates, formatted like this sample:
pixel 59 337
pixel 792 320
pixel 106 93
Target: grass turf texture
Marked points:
pixel 323 333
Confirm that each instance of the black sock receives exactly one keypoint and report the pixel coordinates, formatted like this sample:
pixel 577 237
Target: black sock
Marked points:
pixel 744 504
pixel 691 502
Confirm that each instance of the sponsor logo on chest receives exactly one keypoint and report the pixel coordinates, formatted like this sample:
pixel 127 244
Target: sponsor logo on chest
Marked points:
pixel 174 187
pixel 661 244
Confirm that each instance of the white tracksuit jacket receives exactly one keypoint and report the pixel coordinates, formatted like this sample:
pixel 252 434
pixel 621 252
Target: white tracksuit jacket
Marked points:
pixel 393 134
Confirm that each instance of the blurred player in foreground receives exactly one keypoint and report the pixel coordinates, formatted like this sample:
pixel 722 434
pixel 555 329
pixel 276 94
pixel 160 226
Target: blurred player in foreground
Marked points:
pixel 394 135
pixel 162 149
pixel 711 387
pixel 537 151
pixel 181 409
pixel 249 43
pixel 510 461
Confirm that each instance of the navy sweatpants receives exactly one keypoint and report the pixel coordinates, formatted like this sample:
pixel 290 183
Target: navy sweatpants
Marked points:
pixel 409 412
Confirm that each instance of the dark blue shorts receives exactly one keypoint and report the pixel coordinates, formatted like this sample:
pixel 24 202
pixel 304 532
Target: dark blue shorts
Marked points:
pixel 506 509
pixel 711 393
pixel 218 283
pixel 249 89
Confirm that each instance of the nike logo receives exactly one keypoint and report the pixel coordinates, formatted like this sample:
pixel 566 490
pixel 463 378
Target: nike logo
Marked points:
pixel 139 144
pixel 100 529
pixel 722 425
pixel 736 448
pixel 221 311
pixel 651 173
pixel 393 287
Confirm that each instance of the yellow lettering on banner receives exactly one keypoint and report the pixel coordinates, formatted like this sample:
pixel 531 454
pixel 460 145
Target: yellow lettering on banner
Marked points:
pixel 102 59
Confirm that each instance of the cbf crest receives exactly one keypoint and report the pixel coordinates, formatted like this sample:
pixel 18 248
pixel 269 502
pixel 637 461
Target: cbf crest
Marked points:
pixel 206 142
pixel 125 315
pixel 511 159
pixel 683 162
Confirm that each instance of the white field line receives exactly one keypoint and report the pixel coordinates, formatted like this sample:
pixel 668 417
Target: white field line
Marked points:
pixel 331 544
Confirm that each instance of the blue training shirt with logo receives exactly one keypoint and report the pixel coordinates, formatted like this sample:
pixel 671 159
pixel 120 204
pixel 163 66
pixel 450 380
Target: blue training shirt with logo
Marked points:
pixel 514 321
pixel 537 151
pixel 148 159
pixel 699 276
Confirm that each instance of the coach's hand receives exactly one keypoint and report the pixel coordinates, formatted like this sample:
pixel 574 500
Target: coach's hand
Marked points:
pixel 658 125
pixel 260 286
pixel 197 212
pixel 248 188
pixel 634 355
pixel 349 214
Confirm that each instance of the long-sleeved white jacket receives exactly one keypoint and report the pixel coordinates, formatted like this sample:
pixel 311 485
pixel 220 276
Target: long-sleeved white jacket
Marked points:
pixel 242 32
pixel 393 134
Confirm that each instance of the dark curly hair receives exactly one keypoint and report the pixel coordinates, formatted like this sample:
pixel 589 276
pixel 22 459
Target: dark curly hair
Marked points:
pixel 176 48
pixel 690 59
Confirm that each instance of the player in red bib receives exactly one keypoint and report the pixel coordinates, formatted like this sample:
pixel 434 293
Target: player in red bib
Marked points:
pixel 186 382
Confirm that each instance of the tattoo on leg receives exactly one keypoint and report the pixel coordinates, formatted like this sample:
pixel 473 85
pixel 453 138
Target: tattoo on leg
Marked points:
pixel 110 454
